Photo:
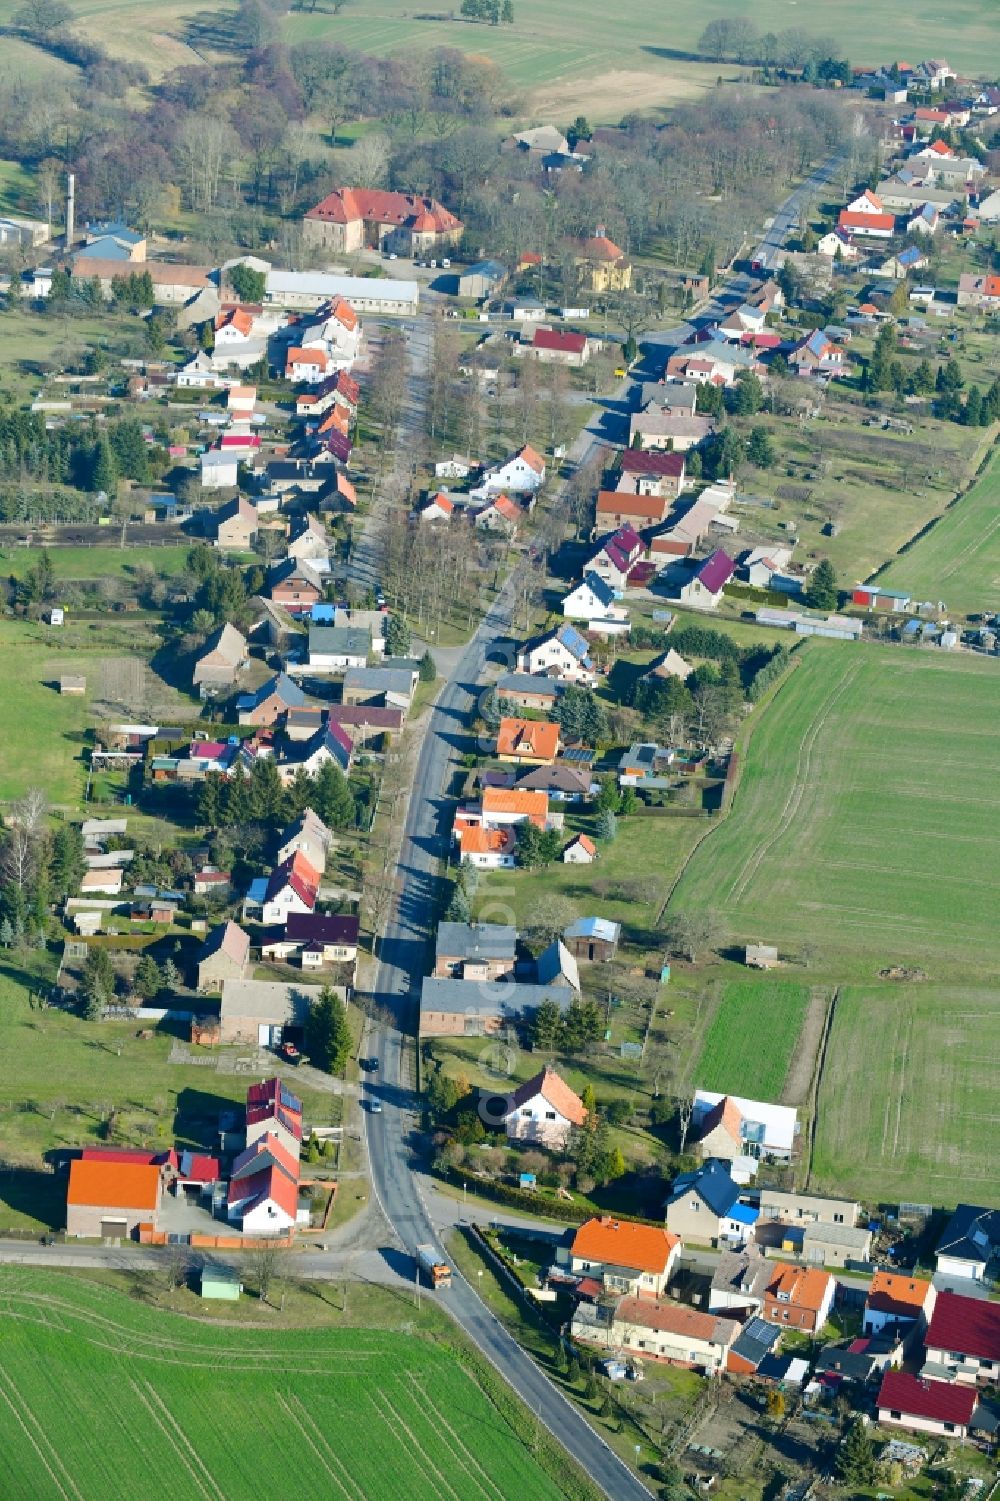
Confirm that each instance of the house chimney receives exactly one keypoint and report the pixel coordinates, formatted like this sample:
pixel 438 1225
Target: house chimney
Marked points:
pixel 70 208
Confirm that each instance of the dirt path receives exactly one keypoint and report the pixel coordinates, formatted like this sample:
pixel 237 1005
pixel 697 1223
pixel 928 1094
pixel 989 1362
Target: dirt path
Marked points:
pixel 804 1062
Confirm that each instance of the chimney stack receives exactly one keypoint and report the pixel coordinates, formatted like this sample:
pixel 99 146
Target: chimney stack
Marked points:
pixel 70 208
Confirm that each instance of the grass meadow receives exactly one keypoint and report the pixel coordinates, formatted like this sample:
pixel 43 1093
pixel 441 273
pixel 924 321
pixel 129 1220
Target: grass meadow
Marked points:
pixel 731 1060
pixel 102 1397
pixel 958 560
pixel 866 818
pixel 910 1095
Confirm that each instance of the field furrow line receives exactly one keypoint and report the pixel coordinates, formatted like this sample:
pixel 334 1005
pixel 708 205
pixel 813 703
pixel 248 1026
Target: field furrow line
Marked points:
pixel 331 1472
pixel 457 1444
pixel 196 1459
pixel 171 1437
pixel 798 787
pixel 907 1036
pixel 33 1441
pixel 437 1478
pixel 309 1423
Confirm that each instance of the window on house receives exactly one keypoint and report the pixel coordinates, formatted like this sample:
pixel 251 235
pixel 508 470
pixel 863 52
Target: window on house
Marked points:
pixel 550 1115
pixel 526 1114
pixel 784 1314
pixel 949 1428
pixel 896 1415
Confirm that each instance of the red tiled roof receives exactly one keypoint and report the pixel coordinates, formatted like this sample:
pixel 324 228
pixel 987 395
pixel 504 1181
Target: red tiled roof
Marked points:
pixel 967 1326
pixel 531 458
pixel 716 571
pixel 896 1294
pixel 675 1318
pixel 299 875
pixel 554 1090
pixel 559 341
pixel 621 503
pixel 938 1401
pixel 269 1184
pixel 270 1092
pixel 726 1114
pixel 528 737
pixel 236 318
pixel 585 842
pixel 849 220
pixel 267 1148
pixel 600 248
pixel 375 206
pixel 799 1286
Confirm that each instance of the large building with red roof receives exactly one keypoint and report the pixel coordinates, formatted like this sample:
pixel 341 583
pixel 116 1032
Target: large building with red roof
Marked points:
pixel 906 1401
pixel 349 219
pixel 963 1338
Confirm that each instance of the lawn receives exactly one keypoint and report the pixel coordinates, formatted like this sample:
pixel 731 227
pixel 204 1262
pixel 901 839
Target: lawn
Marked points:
pixel 958 560
pixel 866 818
pixel 910 1095
pixel 223 1410
pixel 43 732
pixel 771 1009
pixel 74 563
pixel 628 884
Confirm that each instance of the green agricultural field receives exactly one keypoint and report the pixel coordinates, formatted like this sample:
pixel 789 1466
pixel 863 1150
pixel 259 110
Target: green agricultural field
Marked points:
pixel 910 1095
pixel 751 1010
pixel 102 1399
pixel 866 818
pixel 958 560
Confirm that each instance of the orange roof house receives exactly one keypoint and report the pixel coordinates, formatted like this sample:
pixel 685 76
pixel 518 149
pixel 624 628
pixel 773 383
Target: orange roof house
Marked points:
pixel 894 1298
pixel 533 741
pixel 503 806
pixel 532 458
pixel 544 1110
pixel 798 1297
pixel 485 847
pixel 618 1248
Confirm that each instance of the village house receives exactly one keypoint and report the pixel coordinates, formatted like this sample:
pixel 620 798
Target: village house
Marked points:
pixel 330 743
pixel 563 781
pixel 308 541
pixel 487 849
pixel 898 1302
pixel 906 1401
pixel 272 1110
pixel 381 686
pixel 315 940
pixel 666 429
pixel 528 691
pixel 350 219
pixel 659 1330
pixel 837 244
pixel 439 507
pixel 867 225
pixel 670 664
pixel 528 742
pixel 705 1206
pixel 561 653
pixel 624 1257
pixel 978 291
pixel 555 965
pixel 335 648
pixel 552 346
pixel 543 1111
pixel 291 887
pixel 652 472
pixel 704 589
pixel 798 1297
pixel 523 473
pixel 367 724
pixel 970 1244
pixel 618 508
pixel 594 939
pixel 221 661
pixel 728 1127
pixel 581 850
pixel 111 1198
pixel 644 764
pixel 475 951
pixel 791 1208
pixel 236 525
pixel 818 355
pixel 501 514
pixel 470 1008
pixel 295 585
pixel 225 955
pixel 271 702
pixel 963 1340
pixel 263 1194
pixel 503 808
pixel 309 836
pixel 593 601
pixel 219 469
pixel 616 557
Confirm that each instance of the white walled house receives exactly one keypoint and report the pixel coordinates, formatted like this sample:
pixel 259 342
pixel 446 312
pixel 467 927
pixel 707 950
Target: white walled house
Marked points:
pixel 544 1110
pixel 523 473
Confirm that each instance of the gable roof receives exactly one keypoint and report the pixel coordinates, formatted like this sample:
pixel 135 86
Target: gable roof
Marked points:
pixel 280 686
pixel 594 927
pixel 602 592
pixel 757 1340
pixel 273 1091
pixel 895 1293
pixel 260 1153
pixel 476 940
pixel 556 963
pixel 99 1184
pixel 622 503
pixel 640 1248
pixel 662 462
pixel 531 458
pixel 510 800
pixel 712 1184
pixel 479 841
pixel 297 873
pixel 972 1234
pixel 799 1286
pixel 559 340
pixel 716 571
pixel 937 1401
pixel 229 939
pixel 583 840
pixel 967 1326
pixel 314 927
pixel 528 737
pixel 554 1090
pixel 270 1183
pixel 376 206
pixel 676 1318
pixel 860 220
